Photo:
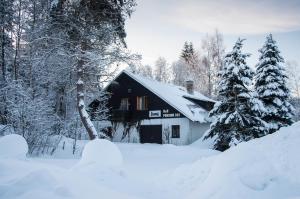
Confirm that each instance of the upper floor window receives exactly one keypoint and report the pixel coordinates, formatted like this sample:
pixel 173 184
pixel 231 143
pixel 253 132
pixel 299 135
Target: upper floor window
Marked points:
pixel 124 104
pixel 142 103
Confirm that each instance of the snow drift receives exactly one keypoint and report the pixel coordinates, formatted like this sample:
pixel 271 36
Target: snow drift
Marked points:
pixel 262 168
pixel 28 179
pixel 101 152
pixel 13 146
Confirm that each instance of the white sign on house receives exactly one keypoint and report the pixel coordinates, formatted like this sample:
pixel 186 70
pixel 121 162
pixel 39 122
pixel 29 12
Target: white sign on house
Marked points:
pixel 156 113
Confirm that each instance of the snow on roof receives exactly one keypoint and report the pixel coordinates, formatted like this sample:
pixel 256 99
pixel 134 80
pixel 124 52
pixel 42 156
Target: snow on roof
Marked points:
pixel 175 96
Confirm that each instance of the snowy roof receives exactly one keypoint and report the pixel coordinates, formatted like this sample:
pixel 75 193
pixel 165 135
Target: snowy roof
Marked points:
pixel 176 96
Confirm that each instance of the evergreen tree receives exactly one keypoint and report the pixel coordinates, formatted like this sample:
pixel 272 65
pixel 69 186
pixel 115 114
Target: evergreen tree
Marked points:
pixel 185 51
pixel 191 49
pixel 236 119
pixel 271 86
pixel 188 52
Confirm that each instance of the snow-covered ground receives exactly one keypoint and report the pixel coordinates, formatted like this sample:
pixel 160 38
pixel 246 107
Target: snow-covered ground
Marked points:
pixel 263 168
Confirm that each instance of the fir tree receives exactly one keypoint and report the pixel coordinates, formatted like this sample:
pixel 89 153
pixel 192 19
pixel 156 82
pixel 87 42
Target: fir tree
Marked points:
pixel 188 52
pixel 191 49
pixel 271 86
pixel 185 52
pixel 236 118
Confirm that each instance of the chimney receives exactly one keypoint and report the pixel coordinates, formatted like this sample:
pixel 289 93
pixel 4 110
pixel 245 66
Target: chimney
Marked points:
pixel 189 84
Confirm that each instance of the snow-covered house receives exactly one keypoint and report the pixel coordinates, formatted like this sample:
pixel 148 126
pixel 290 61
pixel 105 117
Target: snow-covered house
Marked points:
pixel 147 111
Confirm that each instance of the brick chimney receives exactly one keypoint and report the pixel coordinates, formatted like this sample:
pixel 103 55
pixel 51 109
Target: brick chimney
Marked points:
pixel 189 84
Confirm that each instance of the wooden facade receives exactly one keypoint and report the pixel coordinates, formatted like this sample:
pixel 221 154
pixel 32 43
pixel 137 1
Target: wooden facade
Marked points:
pixel 140 115
pixel 124 87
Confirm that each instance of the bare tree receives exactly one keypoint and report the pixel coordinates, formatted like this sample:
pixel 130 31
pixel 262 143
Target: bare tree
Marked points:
pixel 161 72
pixel 167 135
pixel 293 71
pixel 213 52
pixel 95 32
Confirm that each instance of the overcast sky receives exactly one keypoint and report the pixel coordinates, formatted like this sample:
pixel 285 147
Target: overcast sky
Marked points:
pixel 160 27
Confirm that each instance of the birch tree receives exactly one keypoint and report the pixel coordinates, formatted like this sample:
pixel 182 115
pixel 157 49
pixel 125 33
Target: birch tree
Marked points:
pixel 161 71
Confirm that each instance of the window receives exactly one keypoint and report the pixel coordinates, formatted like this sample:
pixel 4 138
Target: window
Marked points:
pixel 142 103
pixel 124 104
pixel 175 131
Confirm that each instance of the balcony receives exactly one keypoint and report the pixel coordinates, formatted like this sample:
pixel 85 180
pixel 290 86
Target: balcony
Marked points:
pixel 118 115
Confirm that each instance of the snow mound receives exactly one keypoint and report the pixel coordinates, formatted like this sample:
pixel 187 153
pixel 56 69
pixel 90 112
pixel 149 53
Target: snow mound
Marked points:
pixel 13 146
pixel 262 168
pixel 34 184
pixel 202 143
pixel 102 153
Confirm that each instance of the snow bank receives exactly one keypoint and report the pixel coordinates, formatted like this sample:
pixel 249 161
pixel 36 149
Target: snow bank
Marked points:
pixel 202 143
pixel 102 153
pixel 29 178
pixel 13 146
pixel 39 183
pixel 262 168
pixel 68 149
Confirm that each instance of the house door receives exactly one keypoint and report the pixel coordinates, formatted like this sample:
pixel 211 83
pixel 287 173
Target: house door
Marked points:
pixel 151 134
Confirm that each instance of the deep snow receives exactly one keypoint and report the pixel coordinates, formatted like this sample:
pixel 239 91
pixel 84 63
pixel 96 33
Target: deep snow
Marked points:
pixel 13 146
pixel 262 168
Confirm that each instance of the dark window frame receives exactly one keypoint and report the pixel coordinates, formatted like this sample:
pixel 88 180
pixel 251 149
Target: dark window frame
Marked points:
pixel 175 131
pixel 142 103
pixel 124 106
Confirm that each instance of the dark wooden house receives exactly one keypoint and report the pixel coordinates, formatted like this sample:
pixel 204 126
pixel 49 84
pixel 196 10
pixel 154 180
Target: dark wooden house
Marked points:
pixel 147 111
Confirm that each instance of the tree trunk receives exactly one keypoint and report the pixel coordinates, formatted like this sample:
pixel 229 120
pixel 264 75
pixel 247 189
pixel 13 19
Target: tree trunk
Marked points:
pixel 31 49
pixel 209 81
pixel 84 116
pixel 15 65
pixel 3 53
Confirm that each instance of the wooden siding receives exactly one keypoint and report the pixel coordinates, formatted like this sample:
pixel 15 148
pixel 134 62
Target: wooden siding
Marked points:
pixel 126 87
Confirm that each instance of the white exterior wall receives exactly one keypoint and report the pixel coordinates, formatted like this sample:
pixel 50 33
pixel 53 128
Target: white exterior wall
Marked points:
pixel 167 123
pixel 189 131
pixel 197 130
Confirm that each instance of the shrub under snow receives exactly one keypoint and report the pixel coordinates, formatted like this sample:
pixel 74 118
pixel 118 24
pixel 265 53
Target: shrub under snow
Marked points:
pixel 13 146
pixel 102 153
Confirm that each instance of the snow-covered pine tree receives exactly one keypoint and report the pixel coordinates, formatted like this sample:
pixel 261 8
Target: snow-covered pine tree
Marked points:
pixel 270 84
pixel 235 115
